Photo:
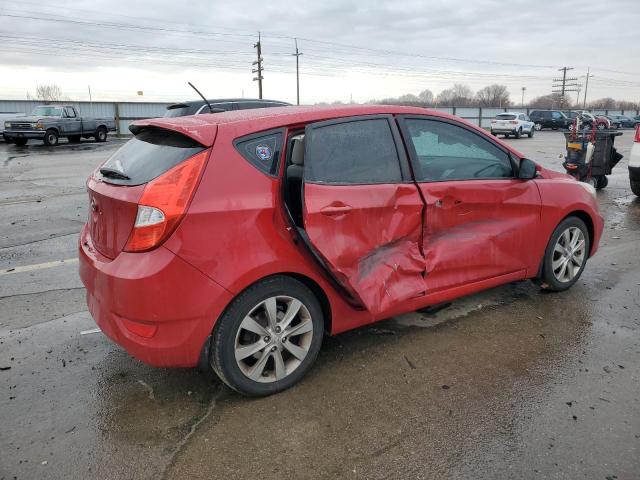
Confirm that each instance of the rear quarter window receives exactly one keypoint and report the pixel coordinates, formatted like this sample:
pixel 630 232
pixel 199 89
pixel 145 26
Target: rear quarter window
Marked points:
pixel 262 150
pixel 149 154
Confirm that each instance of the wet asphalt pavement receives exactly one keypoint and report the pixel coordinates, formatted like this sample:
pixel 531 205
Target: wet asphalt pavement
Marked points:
pixel 510 383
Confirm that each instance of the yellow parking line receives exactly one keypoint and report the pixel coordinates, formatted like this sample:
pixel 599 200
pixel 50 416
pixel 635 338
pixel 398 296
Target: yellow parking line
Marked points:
pixel 38 266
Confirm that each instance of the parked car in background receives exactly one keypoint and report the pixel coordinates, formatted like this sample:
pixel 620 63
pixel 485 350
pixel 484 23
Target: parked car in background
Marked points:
pixel 634 164
pixel 613 122
pixel 6 116
pixel 571 115
pixel 588 119
pixel 51 122
pixel 624 121
pixel 196 107
pixel 512 123
pixel 553 119
pixel 263 229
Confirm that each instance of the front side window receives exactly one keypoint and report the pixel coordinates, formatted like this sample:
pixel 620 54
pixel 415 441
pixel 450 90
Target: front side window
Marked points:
pixel 353 152
pixel 557 115
pixel 444 151
pixel 69 112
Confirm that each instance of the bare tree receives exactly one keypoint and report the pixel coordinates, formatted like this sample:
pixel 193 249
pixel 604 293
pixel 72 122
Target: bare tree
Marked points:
pixel 606 103
pixel 553 100
pixel 426 97
pixel 493 96
pixel 49 93
pixel 459 95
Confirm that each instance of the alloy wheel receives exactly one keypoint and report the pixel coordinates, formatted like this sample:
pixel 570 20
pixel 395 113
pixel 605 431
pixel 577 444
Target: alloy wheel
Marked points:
pixel 569 254
pixel 273 339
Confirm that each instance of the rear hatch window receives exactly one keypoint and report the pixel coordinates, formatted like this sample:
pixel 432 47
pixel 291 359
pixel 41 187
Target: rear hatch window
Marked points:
pixel 152 152
pixel 180 110
pixel 503 116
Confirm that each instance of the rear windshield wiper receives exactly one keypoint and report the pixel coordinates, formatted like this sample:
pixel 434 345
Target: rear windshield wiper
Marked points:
pixel 113 173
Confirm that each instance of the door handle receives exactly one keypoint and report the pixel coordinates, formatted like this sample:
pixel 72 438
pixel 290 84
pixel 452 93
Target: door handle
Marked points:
pixel 331 210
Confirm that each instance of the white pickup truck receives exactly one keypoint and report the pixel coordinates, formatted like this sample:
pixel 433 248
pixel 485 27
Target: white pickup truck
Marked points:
pixel 50 122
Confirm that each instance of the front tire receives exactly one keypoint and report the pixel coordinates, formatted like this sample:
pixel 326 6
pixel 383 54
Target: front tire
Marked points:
pixel 635 186
pixel 538 126
pixel 518 133
pixel 268 338
pixel 530 134
pixel 566 255
pixel 51 138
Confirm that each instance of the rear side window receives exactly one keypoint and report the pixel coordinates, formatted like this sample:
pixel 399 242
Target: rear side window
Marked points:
pixel 353 152
pixel 180 110
pixel 262 150
pixel 505 116
pixel 148 155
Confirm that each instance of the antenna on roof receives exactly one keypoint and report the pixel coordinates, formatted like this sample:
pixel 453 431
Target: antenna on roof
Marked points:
pixel 198 92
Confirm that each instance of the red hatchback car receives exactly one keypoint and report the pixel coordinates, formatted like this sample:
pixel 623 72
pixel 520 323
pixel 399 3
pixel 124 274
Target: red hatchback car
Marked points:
pixel 236 240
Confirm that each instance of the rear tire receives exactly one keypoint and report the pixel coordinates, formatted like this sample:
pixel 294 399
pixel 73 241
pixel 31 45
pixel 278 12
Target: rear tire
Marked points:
pixel 276 362
pixel 20 142
pixel 101 135
pixel 51 138
pixel 538 126
pixel 566 255
pixel 635 186
pixel 518 133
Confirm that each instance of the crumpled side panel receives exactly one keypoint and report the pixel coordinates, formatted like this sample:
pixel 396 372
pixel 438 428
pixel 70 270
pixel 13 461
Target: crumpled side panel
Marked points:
pixel 479 230
pixel 374 249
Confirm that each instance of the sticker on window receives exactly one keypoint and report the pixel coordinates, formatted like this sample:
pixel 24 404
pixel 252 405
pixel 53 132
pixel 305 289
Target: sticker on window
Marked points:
pixel 261 150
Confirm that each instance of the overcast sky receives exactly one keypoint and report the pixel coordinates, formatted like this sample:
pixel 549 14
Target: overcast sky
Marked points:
pixel 351 49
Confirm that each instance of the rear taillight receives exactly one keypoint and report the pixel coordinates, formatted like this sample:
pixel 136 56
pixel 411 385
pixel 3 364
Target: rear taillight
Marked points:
pixel 513 122
pixel 637 137
pixel 163 204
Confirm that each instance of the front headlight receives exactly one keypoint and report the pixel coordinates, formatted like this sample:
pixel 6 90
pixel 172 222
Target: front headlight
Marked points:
pixel 589 188
pixel 37 126
pixel 7 125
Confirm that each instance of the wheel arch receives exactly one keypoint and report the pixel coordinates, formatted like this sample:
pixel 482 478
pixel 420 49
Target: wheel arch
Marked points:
pixel 307 281
pixel 588 221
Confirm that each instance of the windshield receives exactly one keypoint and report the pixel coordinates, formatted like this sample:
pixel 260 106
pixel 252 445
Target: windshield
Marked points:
pixel 47 112
pixel 505 116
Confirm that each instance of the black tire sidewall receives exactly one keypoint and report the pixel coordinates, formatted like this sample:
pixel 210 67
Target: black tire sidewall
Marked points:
pixel 49 143
pixel 548 277
pixel 222 359
pixel 99 133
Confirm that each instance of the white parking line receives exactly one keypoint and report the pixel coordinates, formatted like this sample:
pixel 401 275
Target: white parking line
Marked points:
pixel 38 266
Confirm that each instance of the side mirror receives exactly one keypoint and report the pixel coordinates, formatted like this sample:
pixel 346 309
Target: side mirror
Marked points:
pixel 527 169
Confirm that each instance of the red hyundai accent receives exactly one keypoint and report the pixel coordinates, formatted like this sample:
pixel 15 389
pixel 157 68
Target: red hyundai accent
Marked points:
pixel 236 240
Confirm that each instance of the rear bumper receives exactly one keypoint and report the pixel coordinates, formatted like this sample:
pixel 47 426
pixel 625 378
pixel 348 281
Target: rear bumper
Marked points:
pixel 157 293
pixel 503 130
pixel 23 134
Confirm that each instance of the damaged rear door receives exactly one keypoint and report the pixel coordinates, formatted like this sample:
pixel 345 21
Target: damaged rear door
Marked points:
pixel 362 212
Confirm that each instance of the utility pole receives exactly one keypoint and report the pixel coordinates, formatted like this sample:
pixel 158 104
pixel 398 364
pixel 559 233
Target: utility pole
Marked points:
pixel 565 85
pixel 297 55
pixel 89 87
pixel 522 102
pixel 258 70
pixel 586 86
